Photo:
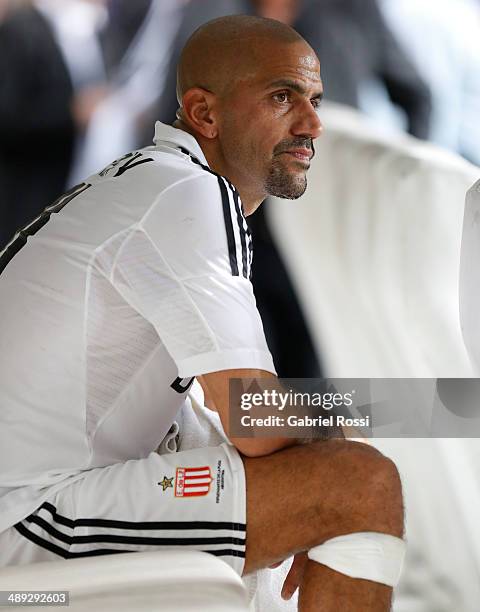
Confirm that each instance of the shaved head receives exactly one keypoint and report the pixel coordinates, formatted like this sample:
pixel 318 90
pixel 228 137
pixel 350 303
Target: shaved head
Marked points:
pixel 249 89
pixel 227 49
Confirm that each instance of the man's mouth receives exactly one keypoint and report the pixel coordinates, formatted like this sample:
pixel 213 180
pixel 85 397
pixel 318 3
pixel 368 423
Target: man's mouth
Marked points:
pixel 303 154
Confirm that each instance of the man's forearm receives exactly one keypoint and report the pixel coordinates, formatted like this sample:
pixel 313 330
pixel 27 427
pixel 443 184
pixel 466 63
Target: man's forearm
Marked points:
pixel 259 445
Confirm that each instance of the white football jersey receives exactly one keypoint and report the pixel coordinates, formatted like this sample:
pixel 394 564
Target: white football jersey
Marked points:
pixel 128 287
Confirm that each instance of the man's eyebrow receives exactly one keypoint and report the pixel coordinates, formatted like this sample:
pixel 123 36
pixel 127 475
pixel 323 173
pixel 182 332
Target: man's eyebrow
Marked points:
pixel 296 86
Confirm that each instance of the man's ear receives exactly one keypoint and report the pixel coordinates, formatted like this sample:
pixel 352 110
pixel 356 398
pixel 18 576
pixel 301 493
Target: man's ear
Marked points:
pixel 198 108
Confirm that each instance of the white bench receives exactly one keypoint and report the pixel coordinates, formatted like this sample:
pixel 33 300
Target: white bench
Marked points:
pixel 170 581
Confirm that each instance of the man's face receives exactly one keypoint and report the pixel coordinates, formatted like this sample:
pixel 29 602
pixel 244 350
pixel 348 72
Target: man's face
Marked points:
pixel 270 119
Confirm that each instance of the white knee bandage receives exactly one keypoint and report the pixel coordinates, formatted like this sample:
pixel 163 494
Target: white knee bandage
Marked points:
pixel 367 555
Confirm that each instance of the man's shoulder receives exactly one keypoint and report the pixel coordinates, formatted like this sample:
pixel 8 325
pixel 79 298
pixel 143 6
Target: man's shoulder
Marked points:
pixel 168 186
pixel 181 178
pixel 162 170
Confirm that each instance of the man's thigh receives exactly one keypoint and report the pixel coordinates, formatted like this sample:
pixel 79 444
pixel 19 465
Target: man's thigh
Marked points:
pixel 192 499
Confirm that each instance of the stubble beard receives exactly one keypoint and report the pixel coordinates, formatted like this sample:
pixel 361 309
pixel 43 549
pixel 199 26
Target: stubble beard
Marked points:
pixel 282 184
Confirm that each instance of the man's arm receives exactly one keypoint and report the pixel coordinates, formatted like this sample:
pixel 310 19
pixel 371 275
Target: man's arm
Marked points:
pixel 216 388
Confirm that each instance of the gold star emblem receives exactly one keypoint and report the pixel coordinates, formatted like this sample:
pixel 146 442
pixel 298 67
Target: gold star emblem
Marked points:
pixel 166 483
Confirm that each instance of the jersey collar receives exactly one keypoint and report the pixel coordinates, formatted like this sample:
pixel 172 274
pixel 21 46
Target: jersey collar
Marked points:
pixel 169 135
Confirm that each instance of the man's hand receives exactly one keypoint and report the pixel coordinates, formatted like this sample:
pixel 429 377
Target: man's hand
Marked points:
pixel 294 576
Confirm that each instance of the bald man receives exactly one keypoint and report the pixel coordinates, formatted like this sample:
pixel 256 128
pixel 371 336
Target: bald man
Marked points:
pixel 136 282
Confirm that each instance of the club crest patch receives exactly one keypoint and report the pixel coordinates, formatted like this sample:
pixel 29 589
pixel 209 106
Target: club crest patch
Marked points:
pixel 192 481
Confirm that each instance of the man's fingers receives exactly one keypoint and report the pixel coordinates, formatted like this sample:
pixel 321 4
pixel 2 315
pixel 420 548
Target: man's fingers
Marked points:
pixel 294 576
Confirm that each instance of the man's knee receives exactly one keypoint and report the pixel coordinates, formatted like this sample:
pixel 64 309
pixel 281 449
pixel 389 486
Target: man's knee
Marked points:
pixel 367 488
pixel 304 495
pixel 385 488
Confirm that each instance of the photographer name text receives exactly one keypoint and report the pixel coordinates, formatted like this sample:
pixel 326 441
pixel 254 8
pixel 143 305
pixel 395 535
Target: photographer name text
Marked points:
pixel 303 421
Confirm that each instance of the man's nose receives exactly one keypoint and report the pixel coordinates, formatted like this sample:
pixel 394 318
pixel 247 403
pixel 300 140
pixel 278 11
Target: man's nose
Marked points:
pixel 307 122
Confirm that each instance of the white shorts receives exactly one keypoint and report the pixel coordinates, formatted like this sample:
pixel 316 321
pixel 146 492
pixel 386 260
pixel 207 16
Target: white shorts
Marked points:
pixel 192 499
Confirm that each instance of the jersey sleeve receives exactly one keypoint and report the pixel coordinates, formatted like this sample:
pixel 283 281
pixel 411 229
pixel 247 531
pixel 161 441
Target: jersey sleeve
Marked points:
pixel 186 269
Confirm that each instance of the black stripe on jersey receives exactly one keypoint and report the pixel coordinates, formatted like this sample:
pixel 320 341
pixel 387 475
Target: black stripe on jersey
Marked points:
pixel 195 160
pixel 67 554
pixel 241 229
pixel 250 253
pixel 232 247
pixel 21 237
pixel 62 552
pixel 187 152
pixel 150 525
pixel 124 539
pixel 226 553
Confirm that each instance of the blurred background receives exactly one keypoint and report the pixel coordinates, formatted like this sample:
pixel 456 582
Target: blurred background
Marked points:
pixel 360 277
